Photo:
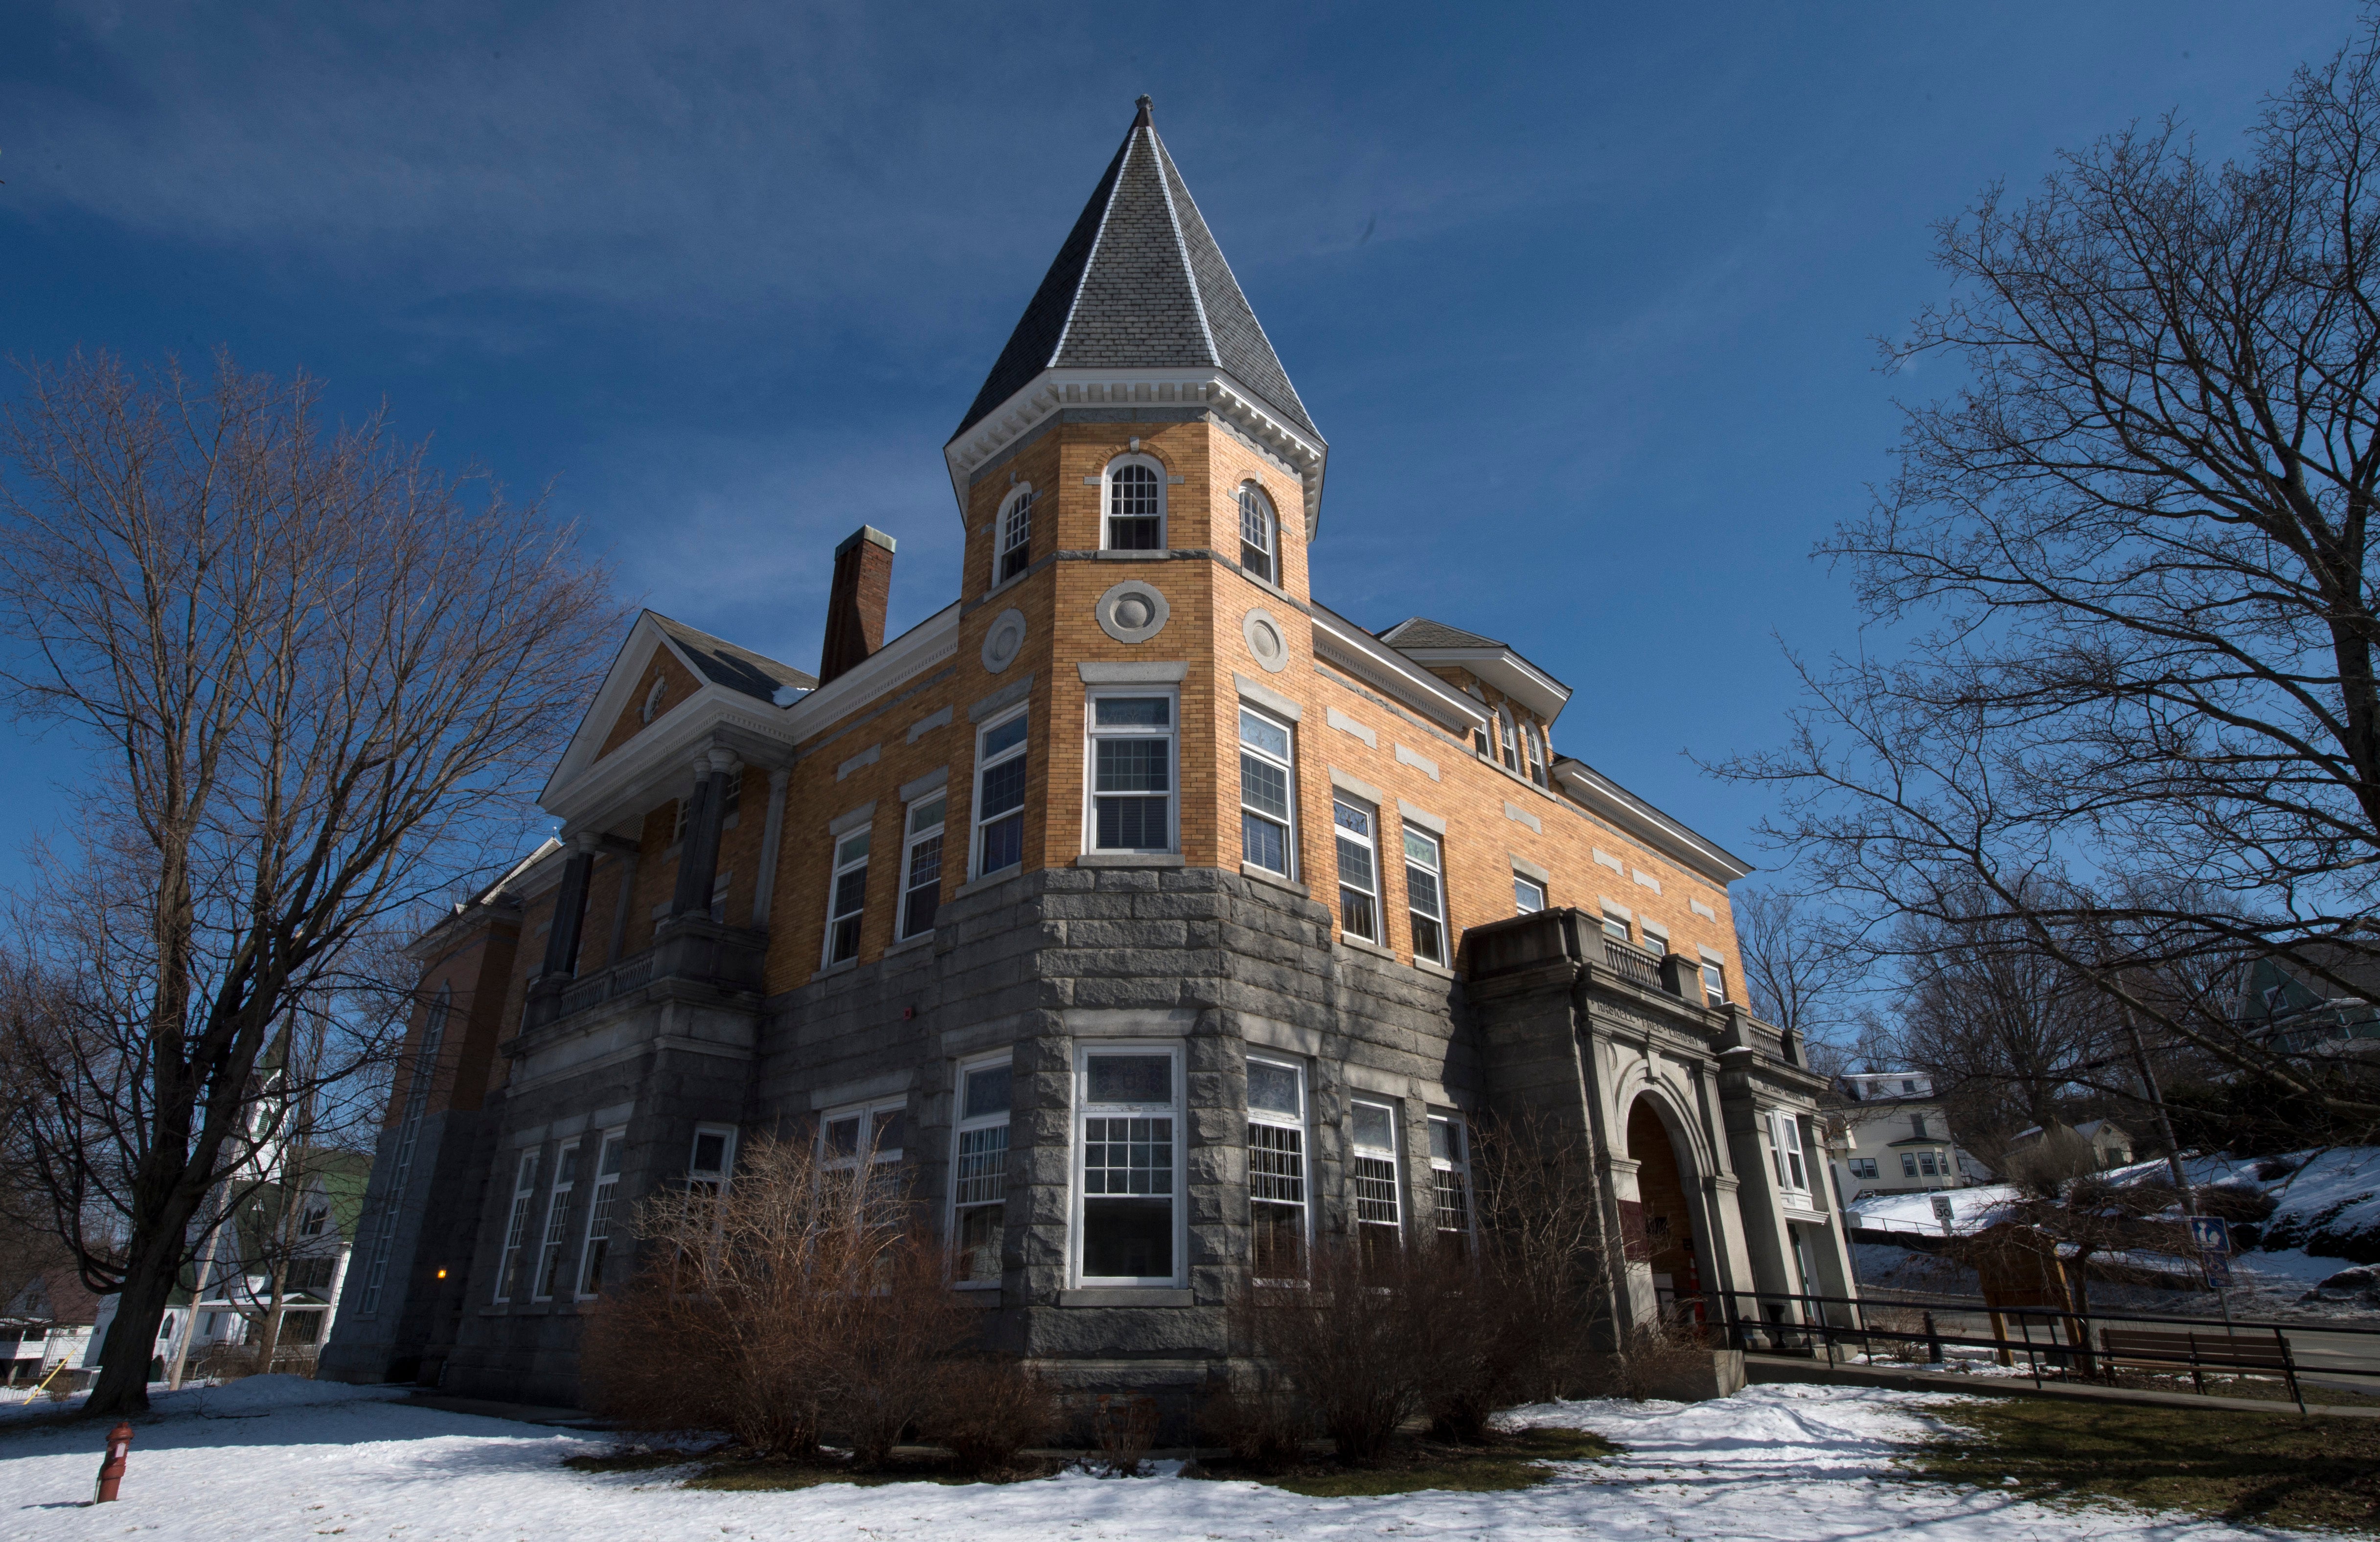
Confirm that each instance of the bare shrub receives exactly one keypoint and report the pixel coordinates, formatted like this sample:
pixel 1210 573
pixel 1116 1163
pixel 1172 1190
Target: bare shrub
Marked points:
pixel 1263 1421
pixel 1359 1340
pixel 793 1301
pixel 1123 1427
pixel 1662 1362
pixel 1548 1257
pixel 989 1410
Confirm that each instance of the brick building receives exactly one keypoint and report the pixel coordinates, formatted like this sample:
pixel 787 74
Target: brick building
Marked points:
pixel 1135 836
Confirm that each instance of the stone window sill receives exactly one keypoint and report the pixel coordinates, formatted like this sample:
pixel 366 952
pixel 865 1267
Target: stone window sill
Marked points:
pixel 1426 967
pixel 1266 875
pixel 1129 859
pixel 922 939
pixel 842 968
pixel 1363 947
pixel 1160 555
pixel 1125 1295
pixel 992 881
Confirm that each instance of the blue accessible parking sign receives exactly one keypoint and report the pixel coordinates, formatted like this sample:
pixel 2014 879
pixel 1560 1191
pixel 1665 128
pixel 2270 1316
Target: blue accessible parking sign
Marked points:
pixel 2212 1235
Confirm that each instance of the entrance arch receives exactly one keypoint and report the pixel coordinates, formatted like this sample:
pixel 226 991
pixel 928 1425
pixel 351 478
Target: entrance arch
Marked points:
pixel 1664 1237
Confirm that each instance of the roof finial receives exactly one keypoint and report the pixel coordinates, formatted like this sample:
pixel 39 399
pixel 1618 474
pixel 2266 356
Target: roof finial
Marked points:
pixel 1143 121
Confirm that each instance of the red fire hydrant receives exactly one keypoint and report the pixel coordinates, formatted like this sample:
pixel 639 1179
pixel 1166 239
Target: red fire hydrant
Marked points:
pixel 111 1472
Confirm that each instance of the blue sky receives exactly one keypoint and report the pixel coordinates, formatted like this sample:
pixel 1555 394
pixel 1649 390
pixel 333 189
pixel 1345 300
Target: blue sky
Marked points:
pixel 1584 297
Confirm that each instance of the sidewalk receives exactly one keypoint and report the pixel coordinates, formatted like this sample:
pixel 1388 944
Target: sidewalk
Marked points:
pixel 1780 1368
pixel 492 1408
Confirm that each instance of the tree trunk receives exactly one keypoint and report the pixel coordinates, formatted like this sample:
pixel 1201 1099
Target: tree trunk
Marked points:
pixel 150 1277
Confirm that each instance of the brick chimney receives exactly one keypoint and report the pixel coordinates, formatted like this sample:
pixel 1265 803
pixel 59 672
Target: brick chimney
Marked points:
pixel 856 604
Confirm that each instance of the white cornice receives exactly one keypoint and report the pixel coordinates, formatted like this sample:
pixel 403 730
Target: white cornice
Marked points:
pixel 664 753
pixel 1397 675
pixel 1505 670
pixel 1609 801
pixel 913 651
pixel 1053 390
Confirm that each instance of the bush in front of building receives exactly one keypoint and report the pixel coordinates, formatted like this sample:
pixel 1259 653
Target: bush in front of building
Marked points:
pixel 798 1301
pixel 989 1409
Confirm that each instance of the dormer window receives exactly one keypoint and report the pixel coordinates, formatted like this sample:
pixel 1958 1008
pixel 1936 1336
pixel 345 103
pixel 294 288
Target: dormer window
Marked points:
pixel 1015 536
pixel 1135 507
pixel 1258 534
pixel 1508 741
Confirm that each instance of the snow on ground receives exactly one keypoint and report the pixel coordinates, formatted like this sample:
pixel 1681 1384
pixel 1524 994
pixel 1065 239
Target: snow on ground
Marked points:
pixel 1785 1463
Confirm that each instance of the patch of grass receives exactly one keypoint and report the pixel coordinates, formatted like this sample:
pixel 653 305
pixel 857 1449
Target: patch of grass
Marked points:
pixel 749 1474
pixel 1513 1462
pixel 2263 1469
pixel 629 1459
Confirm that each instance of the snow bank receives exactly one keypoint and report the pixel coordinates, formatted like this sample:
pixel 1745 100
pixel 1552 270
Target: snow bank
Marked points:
pixel 1784 1463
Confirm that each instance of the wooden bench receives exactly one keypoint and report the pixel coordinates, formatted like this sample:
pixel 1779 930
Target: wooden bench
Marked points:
pixel 2165 1349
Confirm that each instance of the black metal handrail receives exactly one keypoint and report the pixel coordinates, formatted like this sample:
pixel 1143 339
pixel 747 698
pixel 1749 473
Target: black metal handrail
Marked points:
pixel 2061 1333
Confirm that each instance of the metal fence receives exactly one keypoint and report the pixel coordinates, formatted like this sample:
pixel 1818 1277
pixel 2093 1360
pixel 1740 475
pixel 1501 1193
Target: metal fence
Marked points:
pixel 2054 1342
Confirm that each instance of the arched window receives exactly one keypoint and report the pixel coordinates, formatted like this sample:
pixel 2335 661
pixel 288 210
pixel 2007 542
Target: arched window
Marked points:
pixel 1135 507
pixel 1508 742
pixel 1015 536
pixel 1258 534
pixel 1538 760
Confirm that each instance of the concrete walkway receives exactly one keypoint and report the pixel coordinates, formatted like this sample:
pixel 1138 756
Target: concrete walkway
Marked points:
pixel 1781 1367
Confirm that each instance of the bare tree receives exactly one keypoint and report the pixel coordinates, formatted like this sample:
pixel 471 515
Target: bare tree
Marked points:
pixel 315 678
pixel 1795 968
pixel 2135 548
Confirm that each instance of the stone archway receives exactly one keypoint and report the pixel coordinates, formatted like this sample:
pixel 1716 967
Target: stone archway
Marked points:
pixel 1663 1237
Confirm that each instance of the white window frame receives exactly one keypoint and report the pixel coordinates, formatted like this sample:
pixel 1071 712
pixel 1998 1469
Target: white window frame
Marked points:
pixel 911 839
pixel 1534 742
pixel 516 1223
pixel 1521 886
pixel 612 1149
pixel 1255 505
pixel 720 1176
pixel 838 867
pixel 1714 972
pixel 1453 1165
pixel 1389 1156
pixel 1085 1111
pixel 1508 741
pixel 1172 735
pixel 1341 836
pixel 1009 539
pixel 1868 1162
pixel 1415 913
pixel 1107 502
pixel 1656 941
pixel 1616 922
pixel 978 825
pixel 1287 765
pixel 1297 1131
pixel 866 1138
pixel 1787 1158
pixel 547 1263
pixel 964 1124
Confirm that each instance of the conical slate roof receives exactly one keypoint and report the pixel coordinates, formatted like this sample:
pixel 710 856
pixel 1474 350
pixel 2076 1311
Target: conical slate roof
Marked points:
pixel 1140 283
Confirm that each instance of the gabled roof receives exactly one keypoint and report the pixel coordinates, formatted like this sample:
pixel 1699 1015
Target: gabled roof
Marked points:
pixel 739 668
pixel 1139 282
pixel 1434 642
pixel 1419 631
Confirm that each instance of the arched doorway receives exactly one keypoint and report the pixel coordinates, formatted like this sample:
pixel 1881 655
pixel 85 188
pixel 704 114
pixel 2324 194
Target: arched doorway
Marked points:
pixel 1662 1237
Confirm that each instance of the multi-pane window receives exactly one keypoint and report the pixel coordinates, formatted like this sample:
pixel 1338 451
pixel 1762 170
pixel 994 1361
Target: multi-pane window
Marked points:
pixel 1135 509
pixel 847 896
pixel 1258 534
pixel 1785 1150
pixel 1266 821
pixel 1657 942
pixel 921 864
pixel 999 797
pixel 1015 536
pixel 1714 981
pixel 979 1180
pixel 1529 897
pixel 1372 1170
pixel 1359 870
pixel 557 1221
pixel 1277 1178
pixel 1130 1111
pixel 1426 894
pixel 1450 1173
pixel 417 1102
pixel 1508 742
pixel 1132 772
pixel 516 1224
pixel 1540 758
pixel 847 1135
pixel 598 1213
pixel 707 1163
pixel 1864 1166
pixel 1615 925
